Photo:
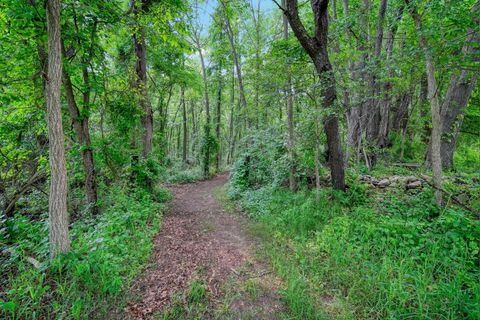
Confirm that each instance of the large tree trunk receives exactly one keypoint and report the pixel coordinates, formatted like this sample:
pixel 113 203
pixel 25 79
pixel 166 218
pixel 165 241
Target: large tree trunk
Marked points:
pixel 207 129
pixel 256 22
pixel 141 81
pixel 80 124
pixel 374 114
pixel 400 112
pixel 384 128
pixel 291 127
pixel 456 100
pixel 435 139
pixel 57 202
pixel 316 47
pixel 458 94
pixel 355 102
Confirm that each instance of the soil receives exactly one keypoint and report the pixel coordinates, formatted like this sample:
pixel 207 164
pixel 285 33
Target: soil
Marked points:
pixel 200 239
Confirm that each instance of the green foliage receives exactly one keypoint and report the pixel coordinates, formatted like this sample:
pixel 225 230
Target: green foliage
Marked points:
pixel 178 174
pixel 146 172
pixel 365 255
pixel 107 252
pixel 263 162
pixel 209 149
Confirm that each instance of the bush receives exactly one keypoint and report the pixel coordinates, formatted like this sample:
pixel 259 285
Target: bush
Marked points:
pixel 107 252
pixel 183 175
pixel 385 255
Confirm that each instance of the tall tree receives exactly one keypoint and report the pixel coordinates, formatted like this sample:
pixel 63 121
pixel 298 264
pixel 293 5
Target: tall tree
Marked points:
pixel 184 122
pixel 57 204
pixel 436 135
pixel 316 48
pixel 237 61
pixel 290 121
pixel 207 128
pixel 459 90
pixel 136 7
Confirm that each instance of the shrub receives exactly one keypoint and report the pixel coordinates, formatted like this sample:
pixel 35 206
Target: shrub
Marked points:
pixel 390 255
pixel 107 252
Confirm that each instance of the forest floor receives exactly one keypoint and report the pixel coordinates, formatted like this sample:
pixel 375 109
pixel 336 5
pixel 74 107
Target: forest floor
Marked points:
pixel 205 263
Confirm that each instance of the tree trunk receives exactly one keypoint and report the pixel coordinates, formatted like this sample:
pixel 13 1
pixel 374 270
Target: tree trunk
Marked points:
pixel 219 118
pixel 384 128
pixel 435 139
pixel 458 94
pixel 194 128
pixel 316 47
pixel 456 100
pixel 185 133
pixel 290 122
pixel 80 124
pixel 57 202
pixel 207 129
pixel 355 113
pixel 231 135
pixel 317 161
pixel 374 115
pixel 141 81
pixel 238 67
pixel 401 114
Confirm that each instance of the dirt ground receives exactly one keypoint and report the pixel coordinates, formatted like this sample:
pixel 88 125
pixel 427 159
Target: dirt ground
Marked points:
pixel 201 240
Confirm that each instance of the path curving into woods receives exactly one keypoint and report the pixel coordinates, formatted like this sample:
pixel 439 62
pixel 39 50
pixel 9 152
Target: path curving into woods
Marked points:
pixel 201 240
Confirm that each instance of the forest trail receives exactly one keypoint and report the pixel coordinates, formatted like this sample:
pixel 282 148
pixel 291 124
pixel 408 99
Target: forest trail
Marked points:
pixel 201 243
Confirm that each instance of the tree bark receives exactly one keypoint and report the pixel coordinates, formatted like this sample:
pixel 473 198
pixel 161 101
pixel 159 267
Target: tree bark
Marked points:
pixel 238 67
pixel 290 122
pixel 384 129
pixel 435 139
pixel 374 116
pixel 231 135
pixel 185 129
pixel 141 81
pixel 219 118
pixel 57 203
pixel 458 94
pixel 316 48
pixel 355 102
pixel 80 124
pixel 194 128
pixel 207 128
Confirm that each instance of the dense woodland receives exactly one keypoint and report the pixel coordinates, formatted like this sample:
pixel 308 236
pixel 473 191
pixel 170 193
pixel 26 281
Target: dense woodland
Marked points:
pixel 350 130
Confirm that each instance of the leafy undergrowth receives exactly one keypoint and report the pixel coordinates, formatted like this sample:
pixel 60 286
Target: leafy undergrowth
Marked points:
pixel 107 253
pixel 369 254
pixel 180 174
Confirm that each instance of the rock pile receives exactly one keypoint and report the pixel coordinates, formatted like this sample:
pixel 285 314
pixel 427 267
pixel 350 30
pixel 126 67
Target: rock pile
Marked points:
pixel 409 182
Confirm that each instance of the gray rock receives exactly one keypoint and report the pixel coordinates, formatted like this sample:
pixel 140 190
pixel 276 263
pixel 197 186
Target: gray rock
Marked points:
pixel 414 184
pixel 383 183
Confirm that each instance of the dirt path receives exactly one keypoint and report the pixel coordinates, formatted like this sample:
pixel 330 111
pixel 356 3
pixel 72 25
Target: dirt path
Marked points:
pixel 200 242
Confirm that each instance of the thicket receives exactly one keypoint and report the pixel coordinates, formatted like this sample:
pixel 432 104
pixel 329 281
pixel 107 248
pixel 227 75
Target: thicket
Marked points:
pixel 368 253
pixel 107 253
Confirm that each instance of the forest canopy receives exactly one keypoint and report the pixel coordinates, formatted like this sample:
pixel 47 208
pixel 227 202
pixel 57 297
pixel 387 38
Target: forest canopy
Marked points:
pixel 342 123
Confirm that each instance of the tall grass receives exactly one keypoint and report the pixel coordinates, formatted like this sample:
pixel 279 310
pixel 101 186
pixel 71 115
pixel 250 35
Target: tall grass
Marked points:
pixel 365 255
